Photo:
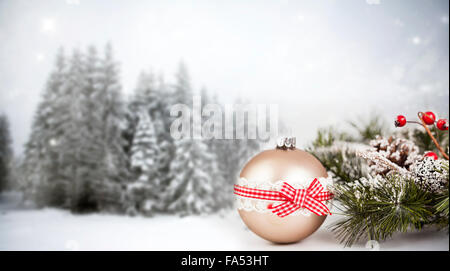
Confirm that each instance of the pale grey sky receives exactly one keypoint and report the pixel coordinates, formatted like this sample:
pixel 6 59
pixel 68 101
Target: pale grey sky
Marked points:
pixel 322 61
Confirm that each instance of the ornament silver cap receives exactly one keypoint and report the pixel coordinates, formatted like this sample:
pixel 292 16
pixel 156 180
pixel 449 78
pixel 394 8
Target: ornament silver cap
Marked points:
pixel 285 143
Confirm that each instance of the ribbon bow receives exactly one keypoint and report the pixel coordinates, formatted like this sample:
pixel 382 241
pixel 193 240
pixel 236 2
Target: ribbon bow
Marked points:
pixel 294 199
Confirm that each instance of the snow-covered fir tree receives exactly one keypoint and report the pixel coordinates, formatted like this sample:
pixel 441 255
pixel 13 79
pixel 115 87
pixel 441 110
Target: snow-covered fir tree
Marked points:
pixel 146 94
pixel 182 88
pixel 75 155
pixel 162 122
pixel 144 161
pixel 85 141
pixel 191 188
pixel 80 155
pixel 232 154
pixel 111 107
pixel 152 97
pixel 207 134
pixel 43 180
pixel 5 152
pixel 222 188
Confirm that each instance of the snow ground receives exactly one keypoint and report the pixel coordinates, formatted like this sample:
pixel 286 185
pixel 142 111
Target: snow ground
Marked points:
pixel 53 229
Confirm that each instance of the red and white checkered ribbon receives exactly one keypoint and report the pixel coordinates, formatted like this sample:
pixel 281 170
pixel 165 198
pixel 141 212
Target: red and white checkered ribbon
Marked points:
pixel 294 199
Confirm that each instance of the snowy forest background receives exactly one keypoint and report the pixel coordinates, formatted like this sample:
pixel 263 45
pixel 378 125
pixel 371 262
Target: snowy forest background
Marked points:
pixel 92 149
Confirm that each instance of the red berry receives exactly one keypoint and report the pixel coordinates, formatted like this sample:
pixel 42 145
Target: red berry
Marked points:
pixel 429 117
pixel 442 125
pixel 431 154
pixel 400 121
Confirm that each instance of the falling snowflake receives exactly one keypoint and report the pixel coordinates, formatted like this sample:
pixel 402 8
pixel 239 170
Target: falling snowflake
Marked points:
pixel 416 40
pixel 40 57
pixel 300 18
pixel 53 142
pixel 48 25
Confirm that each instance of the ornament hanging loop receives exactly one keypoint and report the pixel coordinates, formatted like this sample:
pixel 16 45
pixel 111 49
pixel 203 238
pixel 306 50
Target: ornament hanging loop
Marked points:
pixel 286 143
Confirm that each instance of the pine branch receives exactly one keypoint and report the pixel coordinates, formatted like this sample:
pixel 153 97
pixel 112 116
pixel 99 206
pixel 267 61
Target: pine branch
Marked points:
pixel 378 159
pixel 393 201
pixel 377 208
pixel 342 163
pixel 442 205
pixel 337 150
pixel 369 129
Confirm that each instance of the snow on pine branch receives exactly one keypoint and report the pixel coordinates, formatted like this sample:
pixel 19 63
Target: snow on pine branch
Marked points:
pixel 381 163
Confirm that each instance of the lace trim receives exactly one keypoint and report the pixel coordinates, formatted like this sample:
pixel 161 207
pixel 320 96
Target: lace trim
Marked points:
pixel 258 205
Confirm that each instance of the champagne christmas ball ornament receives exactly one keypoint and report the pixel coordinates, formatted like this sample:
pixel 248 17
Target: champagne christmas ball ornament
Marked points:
pixel 283 194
